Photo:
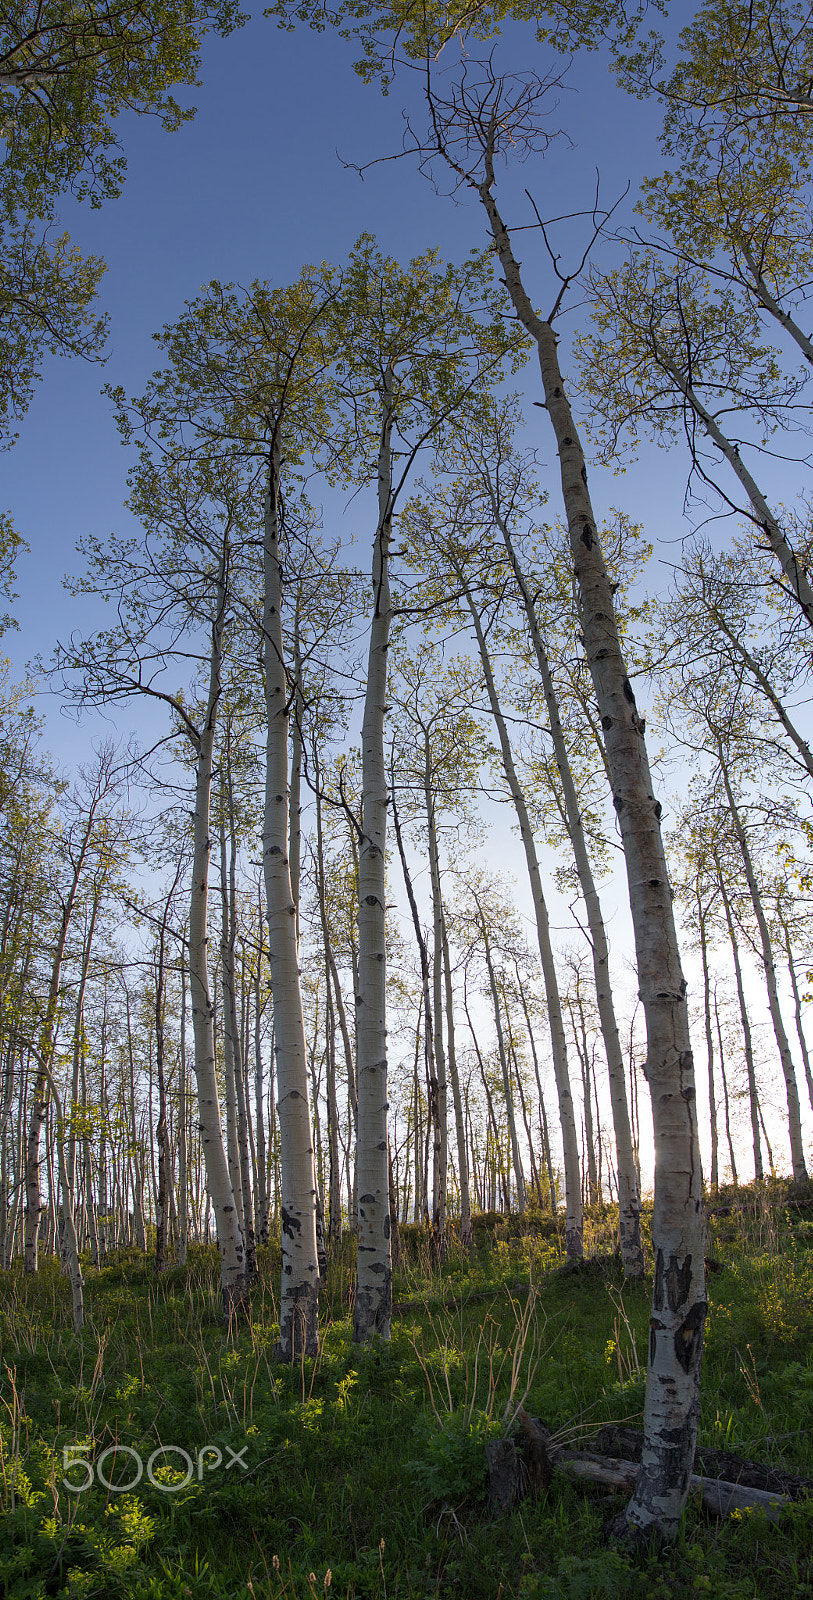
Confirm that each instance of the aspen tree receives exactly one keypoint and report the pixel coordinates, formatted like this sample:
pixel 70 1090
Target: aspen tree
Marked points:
pixel 489 489
pixel 412 349
pixel 468 132
pixel 191 512
pixel 246 382
pixel 769 967
pixel 437 758
pixel 488 454
pixel 573 1207
pixel 746 1025
pixel 96 789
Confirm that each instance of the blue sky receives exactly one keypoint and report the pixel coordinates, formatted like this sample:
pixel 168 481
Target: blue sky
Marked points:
pixel 254 188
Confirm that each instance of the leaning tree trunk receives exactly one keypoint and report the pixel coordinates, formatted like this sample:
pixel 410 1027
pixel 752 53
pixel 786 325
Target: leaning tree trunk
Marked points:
pixel 672 1404
pixel 373 1306
pixel 299 1298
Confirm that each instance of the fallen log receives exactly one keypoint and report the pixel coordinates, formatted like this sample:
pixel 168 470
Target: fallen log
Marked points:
pixel 616 1440
pixel 542 1455
pixel 718 1496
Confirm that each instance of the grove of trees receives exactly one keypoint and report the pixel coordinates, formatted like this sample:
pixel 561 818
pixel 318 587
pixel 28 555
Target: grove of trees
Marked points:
pixel 264 972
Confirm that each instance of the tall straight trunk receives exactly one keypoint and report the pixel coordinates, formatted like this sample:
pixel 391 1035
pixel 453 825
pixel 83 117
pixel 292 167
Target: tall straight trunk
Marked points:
pixel 70 1244
pixel 588 1074
pixel 229 1237
pixel 629 1197
pixel 574 1223
pixel 704 957
pixel 47 1043
pixel 297 754
pixel 135 1166
pixel 797 1155
pixel 725 1090
pixel 299 1297
pixel 161 1133
pixel 183 1147
pixel 491 1114
pixel 334 1223
pixel 672 1403
pixel 441 1162
pixel 261 1192
pixel 373 1304
pixel 454 1078
pixel 334 1196
pixel 523 1106
pixel 748 1047
pixel 426 988
pixel 797 1006
pixel 417 1126
pixel 232 1031
pixel 509 1098
pixel 79 1038
pixel 543 1120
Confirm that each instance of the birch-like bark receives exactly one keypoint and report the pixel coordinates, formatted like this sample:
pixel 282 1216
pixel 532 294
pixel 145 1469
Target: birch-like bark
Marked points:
pixel 672 1404
pixel 797 1154
pixel 441 1163
pixel 299 1299
pixel 161 1135
pixel 373 1305
pixel 506 1081
pixel 229 1237
pixel 33 1190
pixel 454 1078
pixel 629 1198
pixel 574 1222
pixel 233 1035
pixel 183 1138
pixel 70 1245
pixel 261 1193
pixel 748 1048
pixel 543 1120
pixel 724 1082
pixel 334 1199
pixel 797 1006
pixel 701 923
pixel 426 996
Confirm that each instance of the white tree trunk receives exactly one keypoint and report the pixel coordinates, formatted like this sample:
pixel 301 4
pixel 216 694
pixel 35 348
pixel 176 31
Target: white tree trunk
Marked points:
pixel 439 1198
pixel 229 1236
pixel 672 1404
pixel 629 1199
pixel 797 1152
pixel 373 1305
pixel 299 1299
pixel 574 1222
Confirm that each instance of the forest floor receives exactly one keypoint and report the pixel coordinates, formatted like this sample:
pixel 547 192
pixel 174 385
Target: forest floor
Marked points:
pixel 211 1470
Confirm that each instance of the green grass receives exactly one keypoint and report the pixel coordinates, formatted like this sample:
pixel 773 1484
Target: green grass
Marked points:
pixel 366 1468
